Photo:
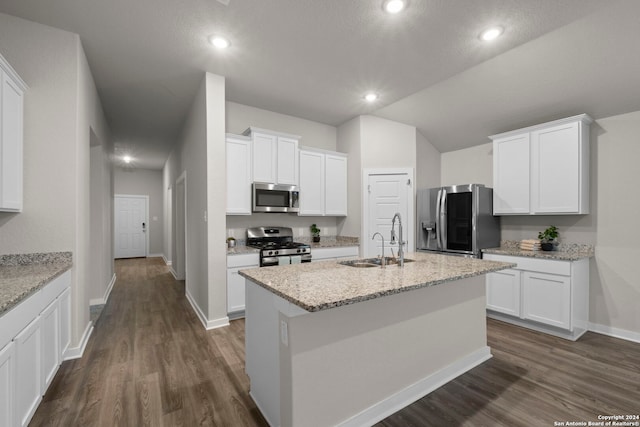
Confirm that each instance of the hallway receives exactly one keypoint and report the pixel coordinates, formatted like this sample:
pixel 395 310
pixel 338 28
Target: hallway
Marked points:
pixel 150 362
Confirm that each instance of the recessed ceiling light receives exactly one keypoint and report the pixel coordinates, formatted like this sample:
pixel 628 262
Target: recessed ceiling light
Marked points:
pixel 370 97
pixel 491 33
pixel 394 6
pixel 219 42
pixel 127 159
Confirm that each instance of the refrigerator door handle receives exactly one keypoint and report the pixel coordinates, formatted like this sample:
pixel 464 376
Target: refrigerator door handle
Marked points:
pixel 443 220
pixel 437 225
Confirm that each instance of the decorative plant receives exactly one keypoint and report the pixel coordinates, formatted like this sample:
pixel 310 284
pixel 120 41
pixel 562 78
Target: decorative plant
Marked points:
pixel 548 235
pixel 231 239
pixel 315 231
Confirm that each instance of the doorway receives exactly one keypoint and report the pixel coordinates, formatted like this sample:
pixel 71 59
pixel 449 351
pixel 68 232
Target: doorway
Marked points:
pixel 131 225
pixel 387 192
pixel 180 258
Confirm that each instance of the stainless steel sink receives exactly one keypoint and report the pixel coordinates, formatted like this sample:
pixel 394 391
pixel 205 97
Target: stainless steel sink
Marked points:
pixel 371 262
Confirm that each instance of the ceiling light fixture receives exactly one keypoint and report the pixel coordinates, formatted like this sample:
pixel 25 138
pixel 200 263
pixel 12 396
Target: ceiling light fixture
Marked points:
pixel 371 96
pixel 219 42
pixel 127 159
pixel 394 6
pixel 491 33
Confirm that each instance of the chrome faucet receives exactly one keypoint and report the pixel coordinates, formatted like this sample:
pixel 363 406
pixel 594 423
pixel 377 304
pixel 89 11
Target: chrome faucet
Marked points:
pixel 400 241
pixel 383 259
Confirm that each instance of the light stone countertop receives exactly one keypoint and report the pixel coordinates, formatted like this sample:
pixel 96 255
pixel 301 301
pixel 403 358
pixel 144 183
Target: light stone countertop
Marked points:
pixel 564 252
pixel 24 274
pixel 328 284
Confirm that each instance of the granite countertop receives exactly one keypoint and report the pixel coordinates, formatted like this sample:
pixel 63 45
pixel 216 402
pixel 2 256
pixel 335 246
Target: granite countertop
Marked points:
pixel 24 274
pixel 564 251
pixel 325 242
pixel 325 285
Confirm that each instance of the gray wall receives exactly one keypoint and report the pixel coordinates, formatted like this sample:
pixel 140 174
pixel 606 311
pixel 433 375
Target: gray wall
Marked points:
pixel 145 182
pixel 61 108
pixel 427 163
pixel 611 225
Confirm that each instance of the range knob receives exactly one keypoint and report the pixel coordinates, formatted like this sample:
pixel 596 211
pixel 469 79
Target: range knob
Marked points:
pixel 270 253
pixel 298 251
pixel 276 252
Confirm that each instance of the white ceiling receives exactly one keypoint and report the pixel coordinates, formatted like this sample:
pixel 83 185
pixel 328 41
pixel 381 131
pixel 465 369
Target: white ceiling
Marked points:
pixel 315 58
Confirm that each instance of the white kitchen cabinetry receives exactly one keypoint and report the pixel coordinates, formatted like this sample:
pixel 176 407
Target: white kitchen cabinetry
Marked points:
pixel 239 175
pixel 312 183
pixel 543 169
pixel 235 282
pixel 503 292
pixel 11 133
pixel 7 383
pixel 275 156
pixel 550 296
pixel 323 183
pixel 33 335
pixel 332 254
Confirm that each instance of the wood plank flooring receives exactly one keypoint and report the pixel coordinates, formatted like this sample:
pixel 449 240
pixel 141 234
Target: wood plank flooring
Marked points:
pixel 150 362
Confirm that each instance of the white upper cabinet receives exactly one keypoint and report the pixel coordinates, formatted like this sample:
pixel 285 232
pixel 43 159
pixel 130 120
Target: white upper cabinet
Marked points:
pixel 11 130
pixel 323 183
pixel 543 169
pixel 275 156
pixel 239 178
pixel 312 183
pixel 336 185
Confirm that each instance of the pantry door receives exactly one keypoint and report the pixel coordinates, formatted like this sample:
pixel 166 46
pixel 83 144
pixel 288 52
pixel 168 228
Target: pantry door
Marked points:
pixel 131 226
pixel 387 192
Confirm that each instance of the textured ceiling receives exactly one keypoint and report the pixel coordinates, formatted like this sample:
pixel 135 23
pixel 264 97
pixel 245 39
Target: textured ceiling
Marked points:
pixel 315 58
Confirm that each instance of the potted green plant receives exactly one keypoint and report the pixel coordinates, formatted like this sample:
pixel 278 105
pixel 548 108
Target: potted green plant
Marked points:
pixel 315 232
pixel 548 237
pixel 231 242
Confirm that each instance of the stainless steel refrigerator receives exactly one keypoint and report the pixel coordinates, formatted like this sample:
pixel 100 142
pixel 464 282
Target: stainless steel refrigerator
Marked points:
pixel 457 220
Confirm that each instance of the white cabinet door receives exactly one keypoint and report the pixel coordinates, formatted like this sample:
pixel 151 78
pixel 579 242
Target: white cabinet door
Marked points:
pixel 235 290
pixel 65 322
pixel 265 160
pixel 7 384
pixel 50 321
pixel 503 292
pixel 555 169
pixel 511 175
pixel 547 299
pixel 11 125
pixel 287 161
pixel 28 371
pixel 238 176
pixel 335 185
pixel 312 183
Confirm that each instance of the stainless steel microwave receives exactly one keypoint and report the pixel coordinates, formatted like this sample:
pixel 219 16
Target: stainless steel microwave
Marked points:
pixel 275 198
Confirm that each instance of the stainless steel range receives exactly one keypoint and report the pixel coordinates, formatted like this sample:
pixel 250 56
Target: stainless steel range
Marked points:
pixel 277 246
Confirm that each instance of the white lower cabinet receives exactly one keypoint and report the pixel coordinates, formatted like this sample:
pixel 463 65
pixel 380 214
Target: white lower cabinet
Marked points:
pixel 28 371
pixel 235 282
pixel 33 335
pixel 7 383
pixel 503 292
pixel 550 296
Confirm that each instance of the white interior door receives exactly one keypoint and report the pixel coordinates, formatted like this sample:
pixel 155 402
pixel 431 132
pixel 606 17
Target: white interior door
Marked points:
pixel 388 193
pixel 131 224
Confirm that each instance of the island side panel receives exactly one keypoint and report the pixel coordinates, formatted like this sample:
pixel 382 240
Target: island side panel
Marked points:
pixel 354 364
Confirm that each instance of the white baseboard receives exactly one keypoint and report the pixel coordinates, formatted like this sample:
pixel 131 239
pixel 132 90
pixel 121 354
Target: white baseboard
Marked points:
pixel 407 396
pixel 166 261
pixel 155 256
pixel 105 298
pixel 76 352
pixel 208 324
pixel 615 332
pixel 173 273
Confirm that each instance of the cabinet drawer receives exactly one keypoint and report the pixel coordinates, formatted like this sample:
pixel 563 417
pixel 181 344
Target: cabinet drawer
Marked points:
pixel 562 268
pixel 339 252
pixel 243 260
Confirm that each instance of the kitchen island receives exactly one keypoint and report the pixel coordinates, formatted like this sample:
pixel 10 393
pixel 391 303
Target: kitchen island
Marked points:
pixel 330 344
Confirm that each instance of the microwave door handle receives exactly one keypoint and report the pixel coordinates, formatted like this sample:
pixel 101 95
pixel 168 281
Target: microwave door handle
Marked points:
pixel 437 226
pixel 443 220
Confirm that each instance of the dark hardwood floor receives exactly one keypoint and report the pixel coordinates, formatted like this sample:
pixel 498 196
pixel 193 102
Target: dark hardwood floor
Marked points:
pixel 150 362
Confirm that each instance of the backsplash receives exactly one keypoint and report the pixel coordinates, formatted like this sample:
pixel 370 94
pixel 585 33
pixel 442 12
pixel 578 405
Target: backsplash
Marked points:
pixel 237 224
pixel 562 247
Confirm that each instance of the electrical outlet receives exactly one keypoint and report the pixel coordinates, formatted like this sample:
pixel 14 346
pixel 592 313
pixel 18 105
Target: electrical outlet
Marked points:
pixel 284 333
